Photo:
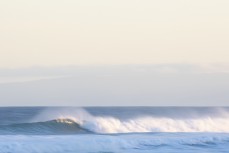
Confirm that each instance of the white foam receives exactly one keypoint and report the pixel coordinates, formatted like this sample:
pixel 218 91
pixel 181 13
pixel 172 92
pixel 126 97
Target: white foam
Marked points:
pixel 150 124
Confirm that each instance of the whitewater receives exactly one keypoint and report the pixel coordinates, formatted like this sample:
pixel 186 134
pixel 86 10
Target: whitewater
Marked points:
pixel 114 129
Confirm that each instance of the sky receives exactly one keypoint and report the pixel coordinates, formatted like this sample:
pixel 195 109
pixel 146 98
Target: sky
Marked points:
pixel 113 32
pixel 114 52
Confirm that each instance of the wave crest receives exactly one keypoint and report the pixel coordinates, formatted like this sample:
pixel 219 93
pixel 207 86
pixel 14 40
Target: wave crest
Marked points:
pixel 80 120
pixel 111 125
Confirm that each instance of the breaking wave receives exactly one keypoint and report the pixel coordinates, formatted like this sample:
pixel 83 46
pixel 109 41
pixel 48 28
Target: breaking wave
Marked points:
pixel 83 122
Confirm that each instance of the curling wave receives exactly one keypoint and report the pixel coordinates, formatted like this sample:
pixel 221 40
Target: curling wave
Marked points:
pixel 78 121
pixel 108 125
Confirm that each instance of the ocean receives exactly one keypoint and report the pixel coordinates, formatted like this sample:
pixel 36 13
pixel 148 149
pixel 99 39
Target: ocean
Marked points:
pixel 114 130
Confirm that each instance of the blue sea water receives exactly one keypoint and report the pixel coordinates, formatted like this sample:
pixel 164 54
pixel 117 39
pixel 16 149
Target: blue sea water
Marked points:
pixel 114 130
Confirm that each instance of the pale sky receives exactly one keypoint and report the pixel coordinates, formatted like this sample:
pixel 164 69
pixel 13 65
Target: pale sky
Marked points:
pixel 114 52
pixel 113 32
